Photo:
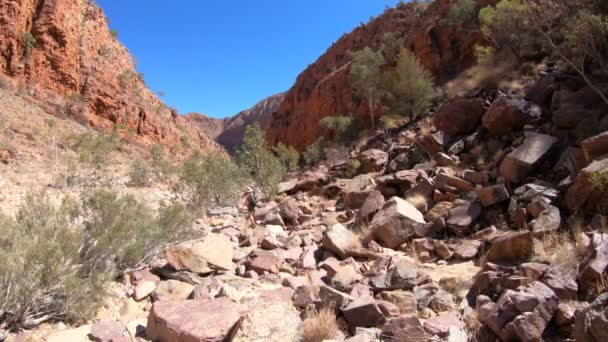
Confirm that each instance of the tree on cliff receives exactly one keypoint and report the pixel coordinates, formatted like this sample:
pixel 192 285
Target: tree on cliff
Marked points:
pixel 366 78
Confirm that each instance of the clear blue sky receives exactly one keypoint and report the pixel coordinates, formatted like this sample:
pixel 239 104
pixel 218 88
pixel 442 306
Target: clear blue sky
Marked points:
pixel 220 57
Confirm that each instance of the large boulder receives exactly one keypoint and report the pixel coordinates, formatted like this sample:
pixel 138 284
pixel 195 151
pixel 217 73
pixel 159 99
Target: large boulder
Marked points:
pixel 357 190
pixel 459 116
pixel 193 320
pixel 521 315
pixel 213 253
pixel 584 192
pixel 339 240
pixel 373 160
pixel 463 217
pixel 363 312
pixel 595 146
pixel 591 324
pixel 512 247
pixel 396 223
pixel 518 164
pixel 506 115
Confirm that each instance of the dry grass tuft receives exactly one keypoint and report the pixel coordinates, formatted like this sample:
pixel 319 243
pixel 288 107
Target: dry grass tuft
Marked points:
pixel 556 249
pixel 419 201
pixel 320 325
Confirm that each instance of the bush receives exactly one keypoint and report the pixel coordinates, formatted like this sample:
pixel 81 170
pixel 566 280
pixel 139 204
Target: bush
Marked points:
pixel 320 325
pixel 139 176
pixel 54 261
pixel 255 158
pixel 114 33
pixel 28 40
pixel 212 179
pixel 162 167
pixel 462 12
pixel 341 127
pixel 507 26
pixel 95 148
pixel 315 152
pixel 411 86
pixel 289 156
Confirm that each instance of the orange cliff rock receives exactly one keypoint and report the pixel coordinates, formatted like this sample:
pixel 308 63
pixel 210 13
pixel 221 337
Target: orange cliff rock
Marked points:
pixel 323 89
pixel 76 60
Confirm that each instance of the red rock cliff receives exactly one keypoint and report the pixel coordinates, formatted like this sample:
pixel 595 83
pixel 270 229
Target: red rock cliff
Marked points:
pixel 322 89
pixel 77 60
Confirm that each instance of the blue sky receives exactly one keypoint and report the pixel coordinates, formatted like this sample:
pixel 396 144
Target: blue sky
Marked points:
pixel 220 57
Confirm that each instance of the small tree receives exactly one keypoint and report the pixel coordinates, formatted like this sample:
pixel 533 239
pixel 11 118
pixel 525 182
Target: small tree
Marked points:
pixel 254 157
pixel 289 156
pixel 506 26
pixel 139 176
pixel 411 86
pixel 366 78
pixel 213 179
pixel 392 43
pixel 341 127
pixel 462 12
pixel 315 152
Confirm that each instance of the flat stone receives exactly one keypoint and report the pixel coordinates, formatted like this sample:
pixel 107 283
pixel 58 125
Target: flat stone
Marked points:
pixel 213 253
pixel 492 195
pixel 462 217
pixel 517 165
pixel 363 312
pixel 396 223
pixel 172 290
pixel 596 146
pixel 143 290
pixel 339 240
pixel 109 331
pixel 513 247
pixel 193 320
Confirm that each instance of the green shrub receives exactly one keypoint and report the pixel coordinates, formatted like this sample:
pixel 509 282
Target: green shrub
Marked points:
pixel 353 168
pixel 315 152
pixel 28 40
pixel 392 43
pixel 410 86
pixel 55 260
pixel 462 12
pixel 95 148
pixel 212 179
pixel 341 127
pixel 114 33
pixel 259 162
pixel 289 156
pixel 139 176
pixel 507 26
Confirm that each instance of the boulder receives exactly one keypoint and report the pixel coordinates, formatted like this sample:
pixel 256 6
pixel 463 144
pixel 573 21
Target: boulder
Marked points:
pixel 372 204
pixel 311 179
pixel 404 300
pixel 264 262
pixel 518 164
pixel 340 240
pixel 562 280
pixel 400 275
pixel 357 190
pixel 584 192
pixel 143 290
pixel 591 324
pixel 440 325
pixel 548 221
pixel 459 116
pixel 109 331
pixel 596 146
pixel 269 321
pixel 513 247
pixel 289 212
pixel 363 312
pixel 405 328
pixel 520 315
pixel 373 160
pixel 591 271
pixel 430 144
pixel 193 320
pixel 462 217
pixel 492 195
pixel 396 223
pixel 213 253
pixel 444 180
pixel 506 115
pixel 172 290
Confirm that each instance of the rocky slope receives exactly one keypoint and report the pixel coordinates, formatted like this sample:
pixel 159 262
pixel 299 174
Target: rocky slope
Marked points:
pixel 229 131
pixel 75 63
pixel 322 89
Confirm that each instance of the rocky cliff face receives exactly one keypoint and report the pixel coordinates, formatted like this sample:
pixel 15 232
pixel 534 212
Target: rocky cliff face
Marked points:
pixel 77 64
pixel 322 89
pixel 229 131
